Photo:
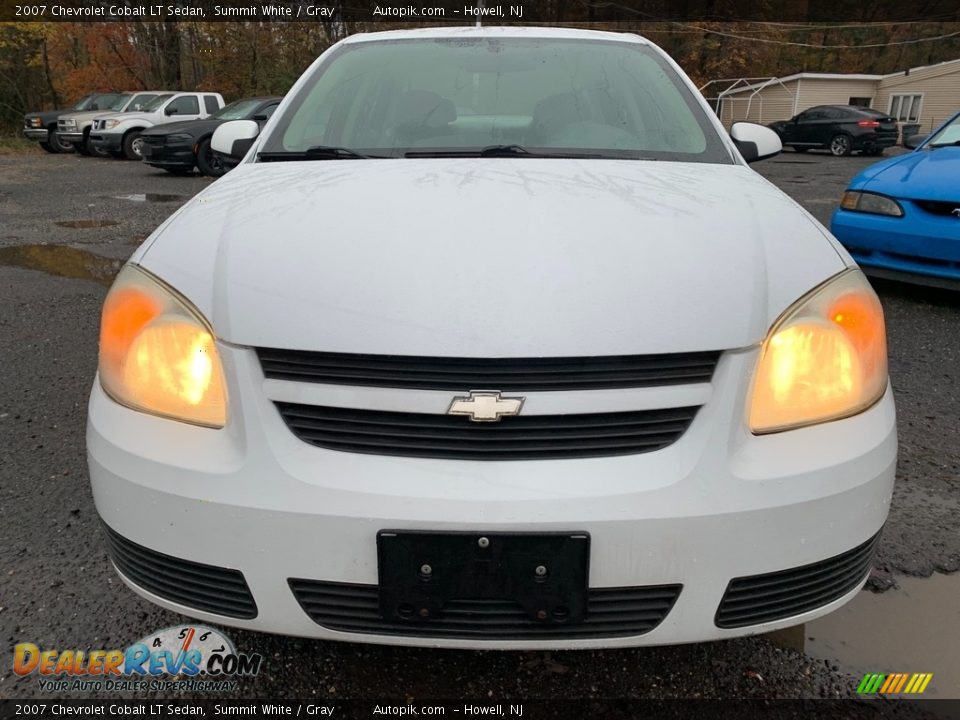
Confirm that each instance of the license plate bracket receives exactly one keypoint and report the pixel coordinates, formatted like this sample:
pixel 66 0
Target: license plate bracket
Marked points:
pixel 546 574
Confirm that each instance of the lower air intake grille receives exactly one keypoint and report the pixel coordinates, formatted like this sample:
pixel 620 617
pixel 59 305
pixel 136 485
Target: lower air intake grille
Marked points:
pixel 526 437
pixel 773 596
pixel 204 587
pixel 611 612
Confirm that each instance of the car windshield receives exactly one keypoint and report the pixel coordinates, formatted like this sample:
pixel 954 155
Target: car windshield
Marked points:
pixel 239 110
pixel 156 102
pixel 85 102
pixel 139 101
pixel 430 97
pixel 117 102
pixel 949 134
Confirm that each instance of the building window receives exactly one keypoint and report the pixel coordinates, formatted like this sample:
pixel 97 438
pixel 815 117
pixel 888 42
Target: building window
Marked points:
pixel 861 101
pixel 906 108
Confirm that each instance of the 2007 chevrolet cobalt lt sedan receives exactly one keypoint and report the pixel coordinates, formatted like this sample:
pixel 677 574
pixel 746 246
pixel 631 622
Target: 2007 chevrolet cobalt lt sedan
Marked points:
pixel 493 340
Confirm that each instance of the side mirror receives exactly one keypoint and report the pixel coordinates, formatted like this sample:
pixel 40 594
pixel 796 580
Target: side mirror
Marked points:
pixel 234 138
pixel 755 142
pixel 171 111
pixel 260 118
pixel 914 141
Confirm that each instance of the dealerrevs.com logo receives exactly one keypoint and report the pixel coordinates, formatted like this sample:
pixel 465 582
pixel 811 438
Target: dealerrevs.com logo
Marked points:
pixel 185 657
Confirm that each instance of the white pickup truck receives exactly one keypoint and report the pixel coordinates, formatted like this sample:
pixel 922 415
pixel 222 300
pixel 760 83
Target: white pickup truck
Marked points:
pixel 119 134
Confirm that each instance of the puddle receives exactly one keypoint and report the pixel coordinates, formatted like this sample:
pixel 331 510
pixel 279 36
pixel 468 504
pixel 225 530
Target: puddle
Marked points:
pixel 86 224
pixel 63 261
pixel 149 197
pixel 911 629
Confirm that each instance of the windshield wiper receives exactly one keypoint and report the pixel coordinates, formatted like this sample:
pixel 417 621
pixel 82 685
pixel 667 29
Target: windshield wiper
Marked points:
pixel 317 152
pixel 499 151
pixel 946 144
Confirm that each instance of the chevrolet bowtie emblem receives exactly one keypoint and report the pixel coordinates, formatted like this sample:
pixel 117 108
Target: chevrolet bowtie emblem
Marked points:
pixel 485 406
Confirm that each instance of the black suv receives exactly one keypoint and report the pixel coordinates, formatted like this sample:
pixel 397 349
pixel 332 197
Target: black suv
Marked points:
pixel 841 129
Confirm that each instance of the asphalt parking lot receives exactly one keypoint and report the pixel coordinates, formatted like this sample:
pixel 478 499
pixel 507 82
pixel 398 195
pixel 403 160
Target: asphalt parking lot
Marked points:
pixel 66 225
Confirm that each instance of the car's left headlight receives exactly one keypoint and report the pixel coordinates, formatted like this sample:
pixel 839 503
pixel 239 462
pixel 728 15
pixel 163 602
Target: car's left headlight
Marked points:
pixel 158 354
pixel 179 138
pixel 68 123
pixel 867 202
pixel 824 359
pixel 36 122
pixel 110 124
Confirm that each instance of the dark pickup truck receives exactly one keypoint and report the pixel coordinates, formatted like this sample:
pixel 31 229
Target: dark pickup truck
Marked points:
pixel 42 126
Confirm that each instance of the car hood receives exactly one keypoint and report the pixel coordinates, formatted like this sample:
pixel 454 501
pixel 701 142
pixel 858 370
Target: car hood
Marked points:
pixel 152 116
pixel 46 116
pixel 85 115
pixel 920 175
pixel 491 257
pixel 191 127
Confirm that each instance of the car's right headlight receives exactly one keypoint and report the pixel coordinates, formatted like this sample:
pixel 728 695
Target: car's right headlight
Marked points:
pixel 110 124
pixel 824 359
pixel 158 354
pixel 873 203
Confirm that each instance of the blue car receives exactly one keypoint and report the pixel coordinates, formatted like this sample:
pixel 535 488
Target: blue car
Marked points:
pixel 900 218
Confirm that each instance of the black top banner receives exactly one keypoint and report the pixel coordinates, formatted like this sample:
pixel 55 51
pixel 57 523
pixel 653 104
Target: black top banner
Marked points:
pixel 474 709
pixel 485 11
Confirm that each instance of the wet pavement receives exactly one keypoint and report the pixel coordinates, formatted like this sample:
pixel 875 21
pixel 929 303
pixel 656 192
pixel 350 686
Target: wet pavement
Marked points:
pixel 66 225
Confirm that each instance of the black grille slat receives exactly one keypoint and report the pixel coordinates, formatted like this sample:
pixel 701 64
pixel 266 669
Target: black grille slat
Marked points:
pixel 521 437
pixel 355 608
pixel 785 593
pixel 217 590
pixel 946 208
pixel 504 374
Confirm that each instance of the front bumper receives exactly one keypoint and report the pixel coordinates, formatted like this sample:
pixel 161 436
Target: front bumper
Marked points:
pixel 716 505
pixel 918 247
pixel 106 142
pixel 38 134
pixel 164 155
pixel 74 136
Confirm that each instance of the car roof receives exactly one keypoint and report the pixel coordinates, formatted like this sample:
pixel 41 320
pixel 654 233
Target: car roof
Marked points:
pixel 495 32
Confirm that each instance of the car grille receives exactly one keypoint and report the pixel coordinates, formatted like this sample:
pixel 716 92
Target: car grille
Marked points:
pixel 611 612
pixel 504 374
pixel 774 596
pixel 940 207
pixel 526 437
pixel 205 587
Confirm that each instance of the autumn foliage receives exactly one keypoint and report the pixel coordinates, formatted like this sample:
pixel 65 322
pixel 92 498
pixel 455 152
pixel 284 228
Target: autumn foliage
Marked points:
pixel 46 65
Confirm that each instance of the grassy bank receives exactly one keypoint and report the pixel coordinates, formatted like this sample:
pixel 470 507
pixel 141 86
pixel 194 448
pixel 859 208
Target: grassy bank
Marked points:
pixel 16 145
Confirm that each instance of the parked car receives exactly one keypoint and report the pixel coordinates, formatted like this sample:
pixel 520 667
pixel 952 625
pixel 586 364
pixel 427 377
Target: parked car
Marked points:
pixel 75 127
pixel 42 126
pixel 900 218
pixel 178 147
pixel 493 340
pixel 119 134
pixel 841 129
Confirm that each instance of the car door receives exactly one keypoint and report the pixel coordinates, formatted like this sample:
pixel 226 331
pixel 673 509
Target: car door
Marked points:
pixel 183 107
pixel 812 126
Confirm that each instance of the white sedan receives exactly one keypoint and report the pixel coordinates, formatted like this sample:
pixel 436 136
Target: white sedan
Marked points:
pixel 493 340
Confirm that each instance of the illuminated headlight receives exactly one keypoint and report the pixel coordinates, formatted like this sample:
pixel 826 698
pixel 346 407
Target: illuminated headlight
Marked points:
pixel 866 202
pixel 180 138
pixel 108 124
pixel 36 122
pixel 158 354
pixel 824 359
